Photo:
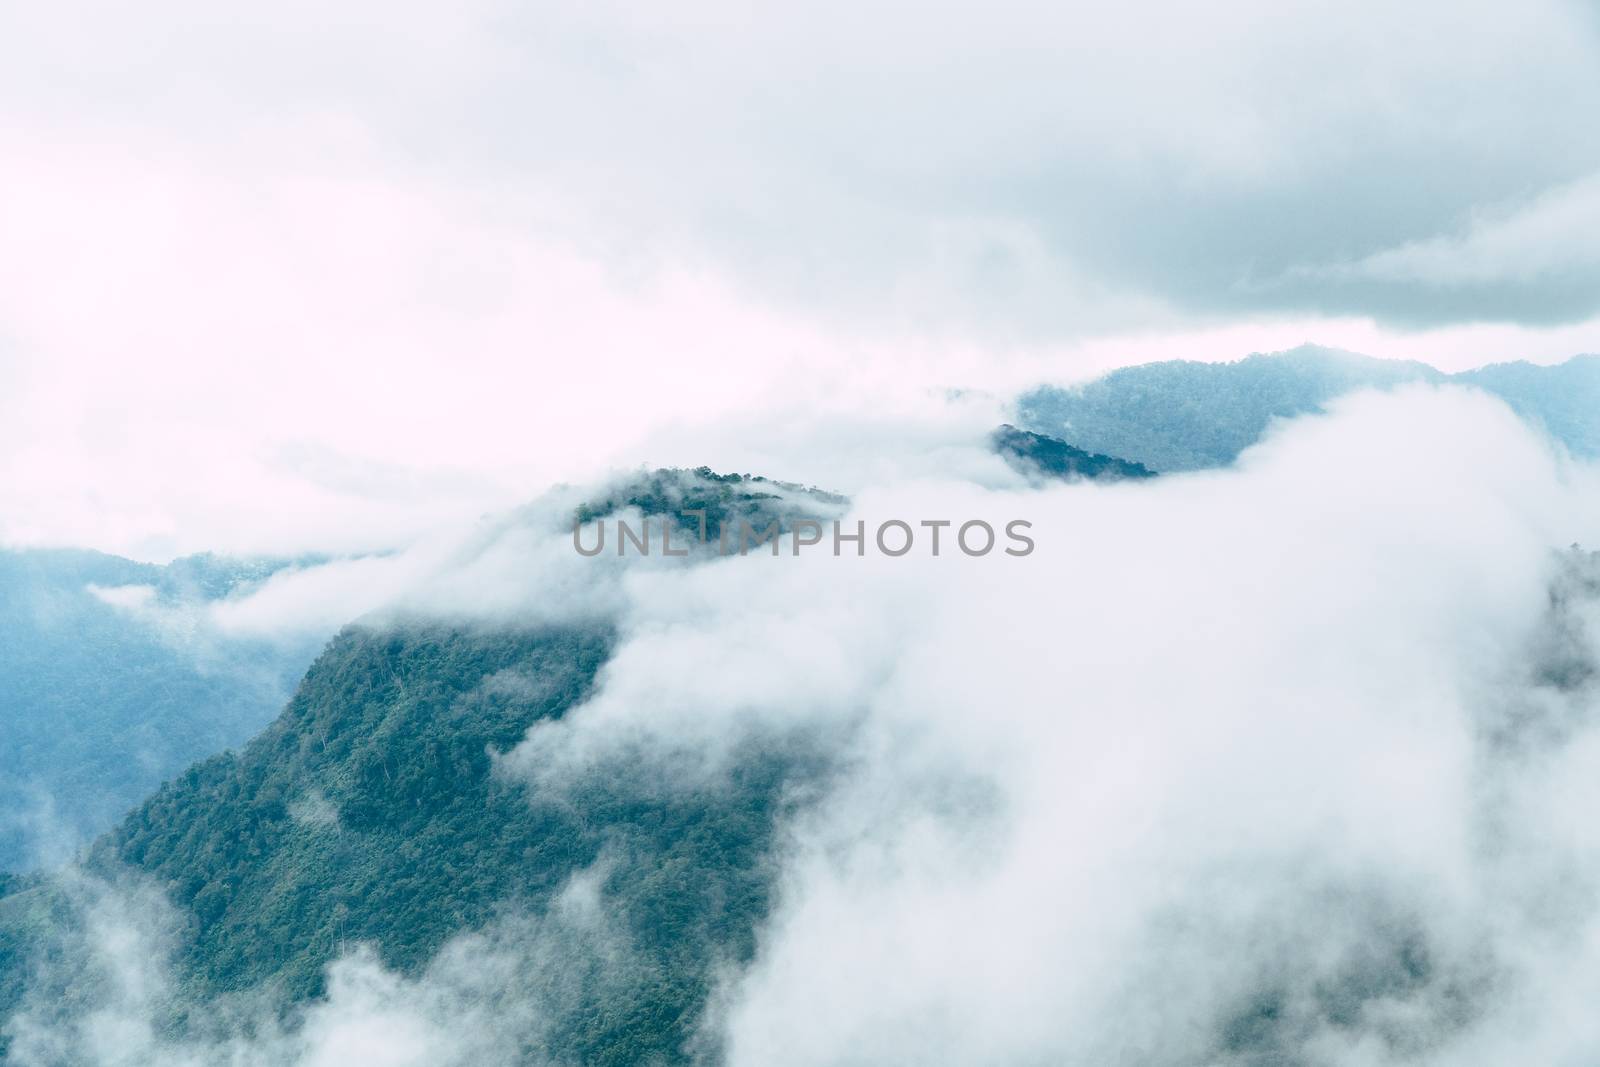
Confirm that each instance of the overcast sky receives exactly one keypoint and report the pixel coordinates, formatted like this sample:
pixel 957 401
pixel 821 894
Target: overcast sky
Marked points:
pixel 311 276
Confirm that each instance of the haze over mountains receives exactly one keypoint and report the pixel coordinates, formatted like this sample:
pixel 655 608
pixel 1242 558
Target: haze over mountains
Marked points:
pixel 111 681
pixel 1229 771
pixel 1206 715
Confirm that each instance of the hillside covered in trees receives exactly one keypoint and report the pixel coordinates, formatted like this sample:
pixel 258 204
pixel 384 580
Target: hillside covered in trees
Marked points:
pixel 371 812
pixel 1040 456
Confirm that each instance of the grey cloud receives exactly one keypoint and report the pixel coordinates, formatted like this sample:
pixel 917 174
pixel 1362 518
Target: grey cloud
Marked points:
pixel 1065 170
pixel 1533 260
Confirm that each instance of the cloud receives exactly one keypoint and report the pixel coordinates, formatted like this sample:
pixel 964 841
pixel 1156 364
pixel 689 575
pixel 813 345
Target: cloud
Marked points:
pixel 1291 760
pixel 104 993
pixel 1220 769
pixel 521 565
pixel 1071 170
pixel 1211 774
pixel 1529 260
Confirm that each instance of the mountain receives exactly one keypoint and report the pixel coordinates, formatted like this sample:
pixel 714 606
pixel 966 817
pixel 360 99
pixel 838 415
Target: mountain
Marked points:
pixel 726 499
pixel 108 685
pixel 1181 415
pixel 379 809
pixel 371 812
pixel 1564 399
pixel 1040 456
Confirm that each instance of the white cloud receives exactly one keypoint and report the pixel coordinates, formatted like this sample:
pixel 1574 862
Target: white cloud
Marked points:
pixel 1258 755
pixel 487 998
pixel 1221 737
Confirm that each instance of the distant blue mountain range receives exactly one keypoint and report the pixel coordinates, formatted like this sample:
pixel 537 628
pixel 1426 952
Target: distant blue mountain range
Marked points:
pixel 105 691
pixel 1181 415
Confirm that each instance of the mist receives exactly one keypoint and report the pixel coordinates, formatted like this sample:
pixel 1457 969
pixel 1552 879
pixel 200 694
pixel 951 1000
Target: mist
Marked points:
pixel 1290 762
pixel 1219 774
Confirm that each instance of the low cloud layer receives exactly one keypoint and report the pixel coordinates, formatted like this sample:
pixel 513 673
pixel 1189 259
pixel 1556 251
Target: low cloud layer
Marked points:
pixel 521 564
pixel 106 994
pixel 1212 776
pixel 1285 763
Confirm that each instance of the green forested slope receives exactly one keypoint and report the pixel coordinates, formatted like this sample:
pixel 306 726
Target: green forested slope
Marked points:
pixel 1038 455
pixel 371 812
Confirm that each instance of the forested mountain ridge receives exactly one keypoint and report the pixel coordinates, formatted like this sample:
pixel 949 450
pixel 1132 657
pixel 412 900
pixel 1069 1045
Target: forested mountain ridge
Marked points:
pixel 375 811
pixel 1181 415
pixel 1562 399
pixel 725 499
pixel 370 812
pixel 1038 455
pixel 110 680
